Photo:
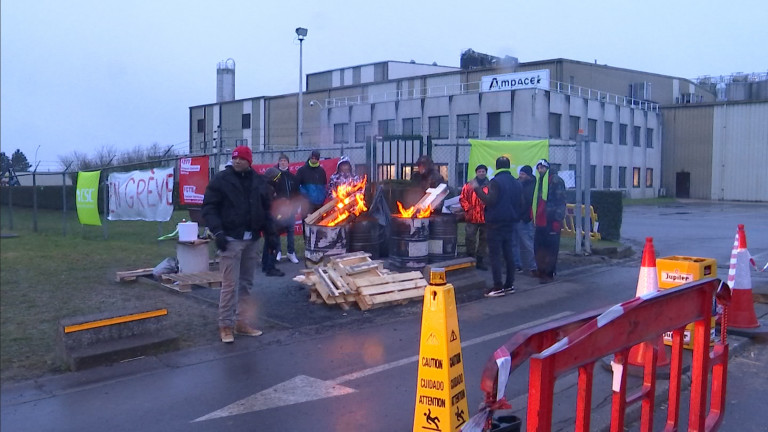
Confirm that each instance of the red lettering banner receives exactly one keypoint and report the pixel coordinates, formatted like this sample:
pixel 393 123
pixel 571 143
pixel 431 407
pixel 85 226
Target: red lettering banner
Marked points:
pixel 193 179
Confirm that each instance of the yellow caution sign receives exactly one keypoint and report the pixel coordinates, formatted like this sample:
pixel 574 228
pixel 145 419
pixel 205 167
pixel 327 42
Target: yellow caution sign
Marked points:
pixel 441 398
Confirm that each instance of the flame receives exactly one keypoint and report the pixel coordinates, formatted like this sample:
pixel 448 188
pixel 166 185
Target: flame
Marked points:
pixel 347 193
pixel 411 211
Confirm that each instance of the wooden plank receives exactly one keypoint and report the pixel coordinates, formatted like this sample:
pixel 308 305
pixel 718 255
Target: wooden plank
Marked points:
pixel 385 279
pixel 350 255
pixel 326 283
pixel 321 289
pixel 400 296
pixel 362 267
pixel 397 286
pixel 131 275
pixel 338 281
pixel 314 217
pixel 363 302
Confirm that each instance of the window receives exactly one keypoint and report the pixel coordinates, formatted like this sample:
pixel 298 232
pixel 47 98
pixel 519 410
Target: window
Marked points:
pixel 607 177
pixel 467 126
pixel 340 131
pixel 608 134
pixel 500 124
pixel 571 167
pixel 362 131
pixel 246 121
pixel 622 134
pixel 649 138
pixel 649 177
pixel 241 142
pixel 635 177
pixel 386 171
pixel 461 173
pixel 406 171
pixel 201 126
pixel 573 128
pixel 438 127
pixel 387 127
pixel 636 136
pixel 412 126
pixel 622 177
pixel 554 125
pixel 592 176
pixel 592 130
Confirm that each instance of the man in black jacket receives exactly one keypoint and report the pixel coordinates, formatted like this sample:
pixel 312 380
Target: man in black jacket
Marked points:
pixel 312 183
pixel 285 205
pixel 503 204
pixel 236 209
pixel 525 228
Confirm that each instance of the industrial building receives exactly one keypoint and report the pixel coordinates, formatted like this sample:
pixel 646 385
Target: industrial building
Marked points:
pixel 383 115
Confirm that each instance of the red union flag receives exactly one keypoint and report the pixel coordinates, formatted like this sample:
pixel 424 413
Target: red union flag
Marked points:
pixel 193 179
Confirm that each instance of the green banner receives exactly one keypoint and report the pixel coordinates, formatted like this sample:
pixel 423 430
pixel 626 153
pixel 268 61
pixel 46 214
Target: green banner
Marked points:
pixel 87 197
pixel 520 153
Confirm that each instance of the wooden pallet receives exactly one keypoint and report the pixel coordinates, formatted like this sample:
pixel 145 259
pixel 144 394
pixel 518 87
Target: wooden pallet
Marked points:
pixel 127 276
pixel 183 282
pixel 356 279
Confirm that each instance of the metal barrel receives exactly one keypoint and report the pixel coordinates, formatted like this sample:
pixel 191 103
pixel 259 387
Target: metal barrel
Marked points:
pixel 322 241
pixel 364 236
pixel 409 244
pixel 443 232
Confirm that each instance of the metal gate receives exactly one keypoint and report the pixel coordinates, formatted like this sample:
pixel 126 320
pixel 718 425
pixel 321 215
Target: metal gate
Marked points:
pixel 393 157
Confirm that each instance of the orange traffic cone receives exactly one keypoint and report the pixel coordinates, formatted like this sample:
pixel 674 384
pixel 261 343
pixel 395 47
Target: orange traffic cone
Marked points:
pixel 741 311
pixel 648 283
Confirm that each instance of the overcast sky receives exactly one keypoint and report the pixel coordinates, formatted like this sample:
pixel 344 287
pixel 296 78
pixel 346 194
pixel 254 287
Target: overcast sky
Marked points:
pixel 84 74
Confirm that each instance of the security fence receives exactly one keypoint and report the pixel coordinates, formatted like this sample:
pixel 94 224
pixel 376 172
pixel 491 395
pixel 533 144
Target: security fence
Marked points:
pixel 381 159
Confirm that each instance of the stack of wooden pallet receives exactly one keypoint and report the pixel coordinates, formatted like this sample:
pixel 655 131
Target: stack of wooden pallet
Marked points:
pixel 355 278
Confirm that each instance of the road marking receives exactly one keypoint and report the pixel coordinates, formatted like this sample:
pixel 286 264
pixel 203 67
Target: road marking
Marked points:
pixel 304 389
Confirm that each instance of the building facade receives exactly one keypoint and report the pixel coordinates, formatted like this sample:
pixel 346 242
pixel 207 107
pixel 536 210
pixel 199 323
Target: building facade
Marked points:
pixel 366 110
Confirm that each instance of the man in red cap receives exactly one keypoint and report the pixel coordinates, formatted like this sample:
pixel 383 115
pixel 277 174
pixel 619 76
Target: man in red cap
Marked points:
pixel 236 208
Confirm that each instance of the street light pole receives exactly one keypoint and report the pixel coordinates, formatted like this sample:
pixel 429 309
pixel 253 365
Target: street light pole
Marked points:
pixel 301 33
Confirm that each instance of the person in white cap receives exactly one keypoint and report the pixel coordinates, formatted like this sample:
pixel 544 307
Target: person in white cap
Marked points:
pixel 548 213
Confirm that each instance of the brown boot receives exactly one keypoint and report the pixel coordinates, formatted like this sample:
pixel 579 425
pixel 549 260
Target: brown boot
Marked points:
pixel 242 328
pixel 226 334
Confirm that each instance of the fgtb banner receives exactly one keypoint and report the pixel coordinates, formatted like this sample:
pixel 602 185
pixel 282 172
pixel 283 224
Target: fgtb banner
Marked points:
pixel 520 153
pixel 87 198
pixel 141 195
pixel 193 179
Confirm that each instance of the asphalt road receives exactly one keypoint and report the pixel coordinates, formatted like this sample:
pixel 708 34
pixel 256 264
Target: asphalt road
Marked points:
pixel 357 371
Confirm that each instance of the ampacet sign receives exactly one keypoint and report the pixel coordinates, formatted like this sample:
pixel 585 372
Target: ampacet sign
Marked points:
pixel 516 81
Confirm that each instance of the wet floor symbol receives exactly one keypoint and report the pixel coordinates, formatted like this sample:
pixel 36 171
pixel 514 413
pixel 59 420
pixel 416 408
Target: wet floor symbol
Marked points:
pixel 435 421
pixel 460 416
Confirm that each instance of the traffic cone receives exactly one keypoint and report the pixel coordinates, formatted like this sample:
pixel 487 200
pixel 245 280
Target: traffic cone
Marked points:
pixel 741 311
pixel 648 283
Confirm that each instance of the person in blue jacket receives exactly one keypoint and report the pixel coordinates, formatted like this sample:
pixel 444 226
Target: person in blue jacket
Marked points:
pixel 312 183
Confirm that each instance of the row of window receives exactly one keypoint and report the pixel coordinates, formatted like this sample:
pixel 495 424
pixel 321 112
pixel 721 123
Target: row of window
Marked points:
pixel 573 131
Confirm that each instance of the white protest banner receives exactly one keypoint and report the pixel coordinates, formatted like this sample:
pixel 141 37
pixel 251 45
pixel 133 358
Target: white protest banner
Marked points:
pixel 141 195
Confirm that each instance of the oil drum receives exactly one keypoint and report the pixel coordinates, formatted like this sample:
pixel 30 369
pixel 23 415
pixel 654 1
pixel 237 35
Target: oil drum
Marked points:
pixel 322 241
pixel 364 236
pixel 443 231
pixel 409 244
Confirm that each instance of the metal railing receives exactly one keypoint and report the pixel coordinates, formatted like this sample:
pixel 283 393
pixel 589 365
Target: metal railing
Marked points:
pixel 474 87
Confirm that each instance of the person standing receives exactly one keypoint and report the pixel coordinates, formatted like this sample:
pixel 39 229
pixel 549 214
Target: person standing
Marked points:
pixel 236 209
pixel 474 216
pixel 503 204
pixel 427 175
pixel 285 205
pixel 525 228
pixel 549 212
pixel 312 183
pixel 272 239
pixel 345 174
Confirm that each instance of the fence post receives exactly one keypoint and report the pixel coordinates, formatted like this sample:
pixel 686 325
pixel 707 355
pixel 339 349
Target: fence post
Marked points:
pixel 587 215
pixel 34 200
pixel 579 190
pixel 106 210
pixel 64 201
pixel 10 207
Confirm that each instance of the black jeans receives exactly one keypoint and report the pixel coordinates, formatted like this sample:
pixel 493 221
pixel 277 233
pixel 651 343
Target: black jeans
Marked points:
pixel 502 241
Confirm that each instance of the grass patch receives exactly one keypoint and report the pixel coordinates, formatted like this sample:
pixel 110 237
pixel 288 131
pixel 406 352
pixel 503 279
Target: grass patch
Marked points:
pixel 47 276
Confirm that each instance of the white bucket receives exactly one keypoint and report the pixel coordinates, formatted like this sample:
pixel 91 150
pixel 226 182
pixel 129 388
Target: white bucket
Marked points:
pixel 187 231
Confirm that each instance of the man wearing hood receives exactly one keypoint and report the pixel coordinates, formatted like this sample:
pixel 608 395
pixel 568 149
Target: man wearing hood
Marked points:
pixel 474 216
pixel 345 174
pixel 236 210
pixel 312 183
pixel 427 176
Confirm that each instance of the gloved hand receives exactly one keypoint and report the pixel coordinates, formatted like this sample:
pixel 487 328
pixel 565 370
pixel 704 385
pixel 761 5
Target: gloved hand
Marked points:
pixel 221 241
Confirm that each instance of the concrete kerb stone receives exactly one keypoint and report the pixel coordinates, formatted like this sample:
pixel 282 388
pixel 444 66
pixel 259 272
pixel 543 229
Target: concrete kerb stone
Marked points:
pixel 97 339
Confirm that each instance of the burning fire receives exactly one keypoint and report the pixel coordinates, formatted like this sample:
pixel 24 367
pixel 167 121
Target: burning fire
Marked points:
pixel 410 211
pixel 351 200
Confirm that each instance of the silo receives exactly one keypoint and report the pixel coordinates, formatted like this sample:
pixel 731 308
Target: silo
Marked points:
pixel 225 80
